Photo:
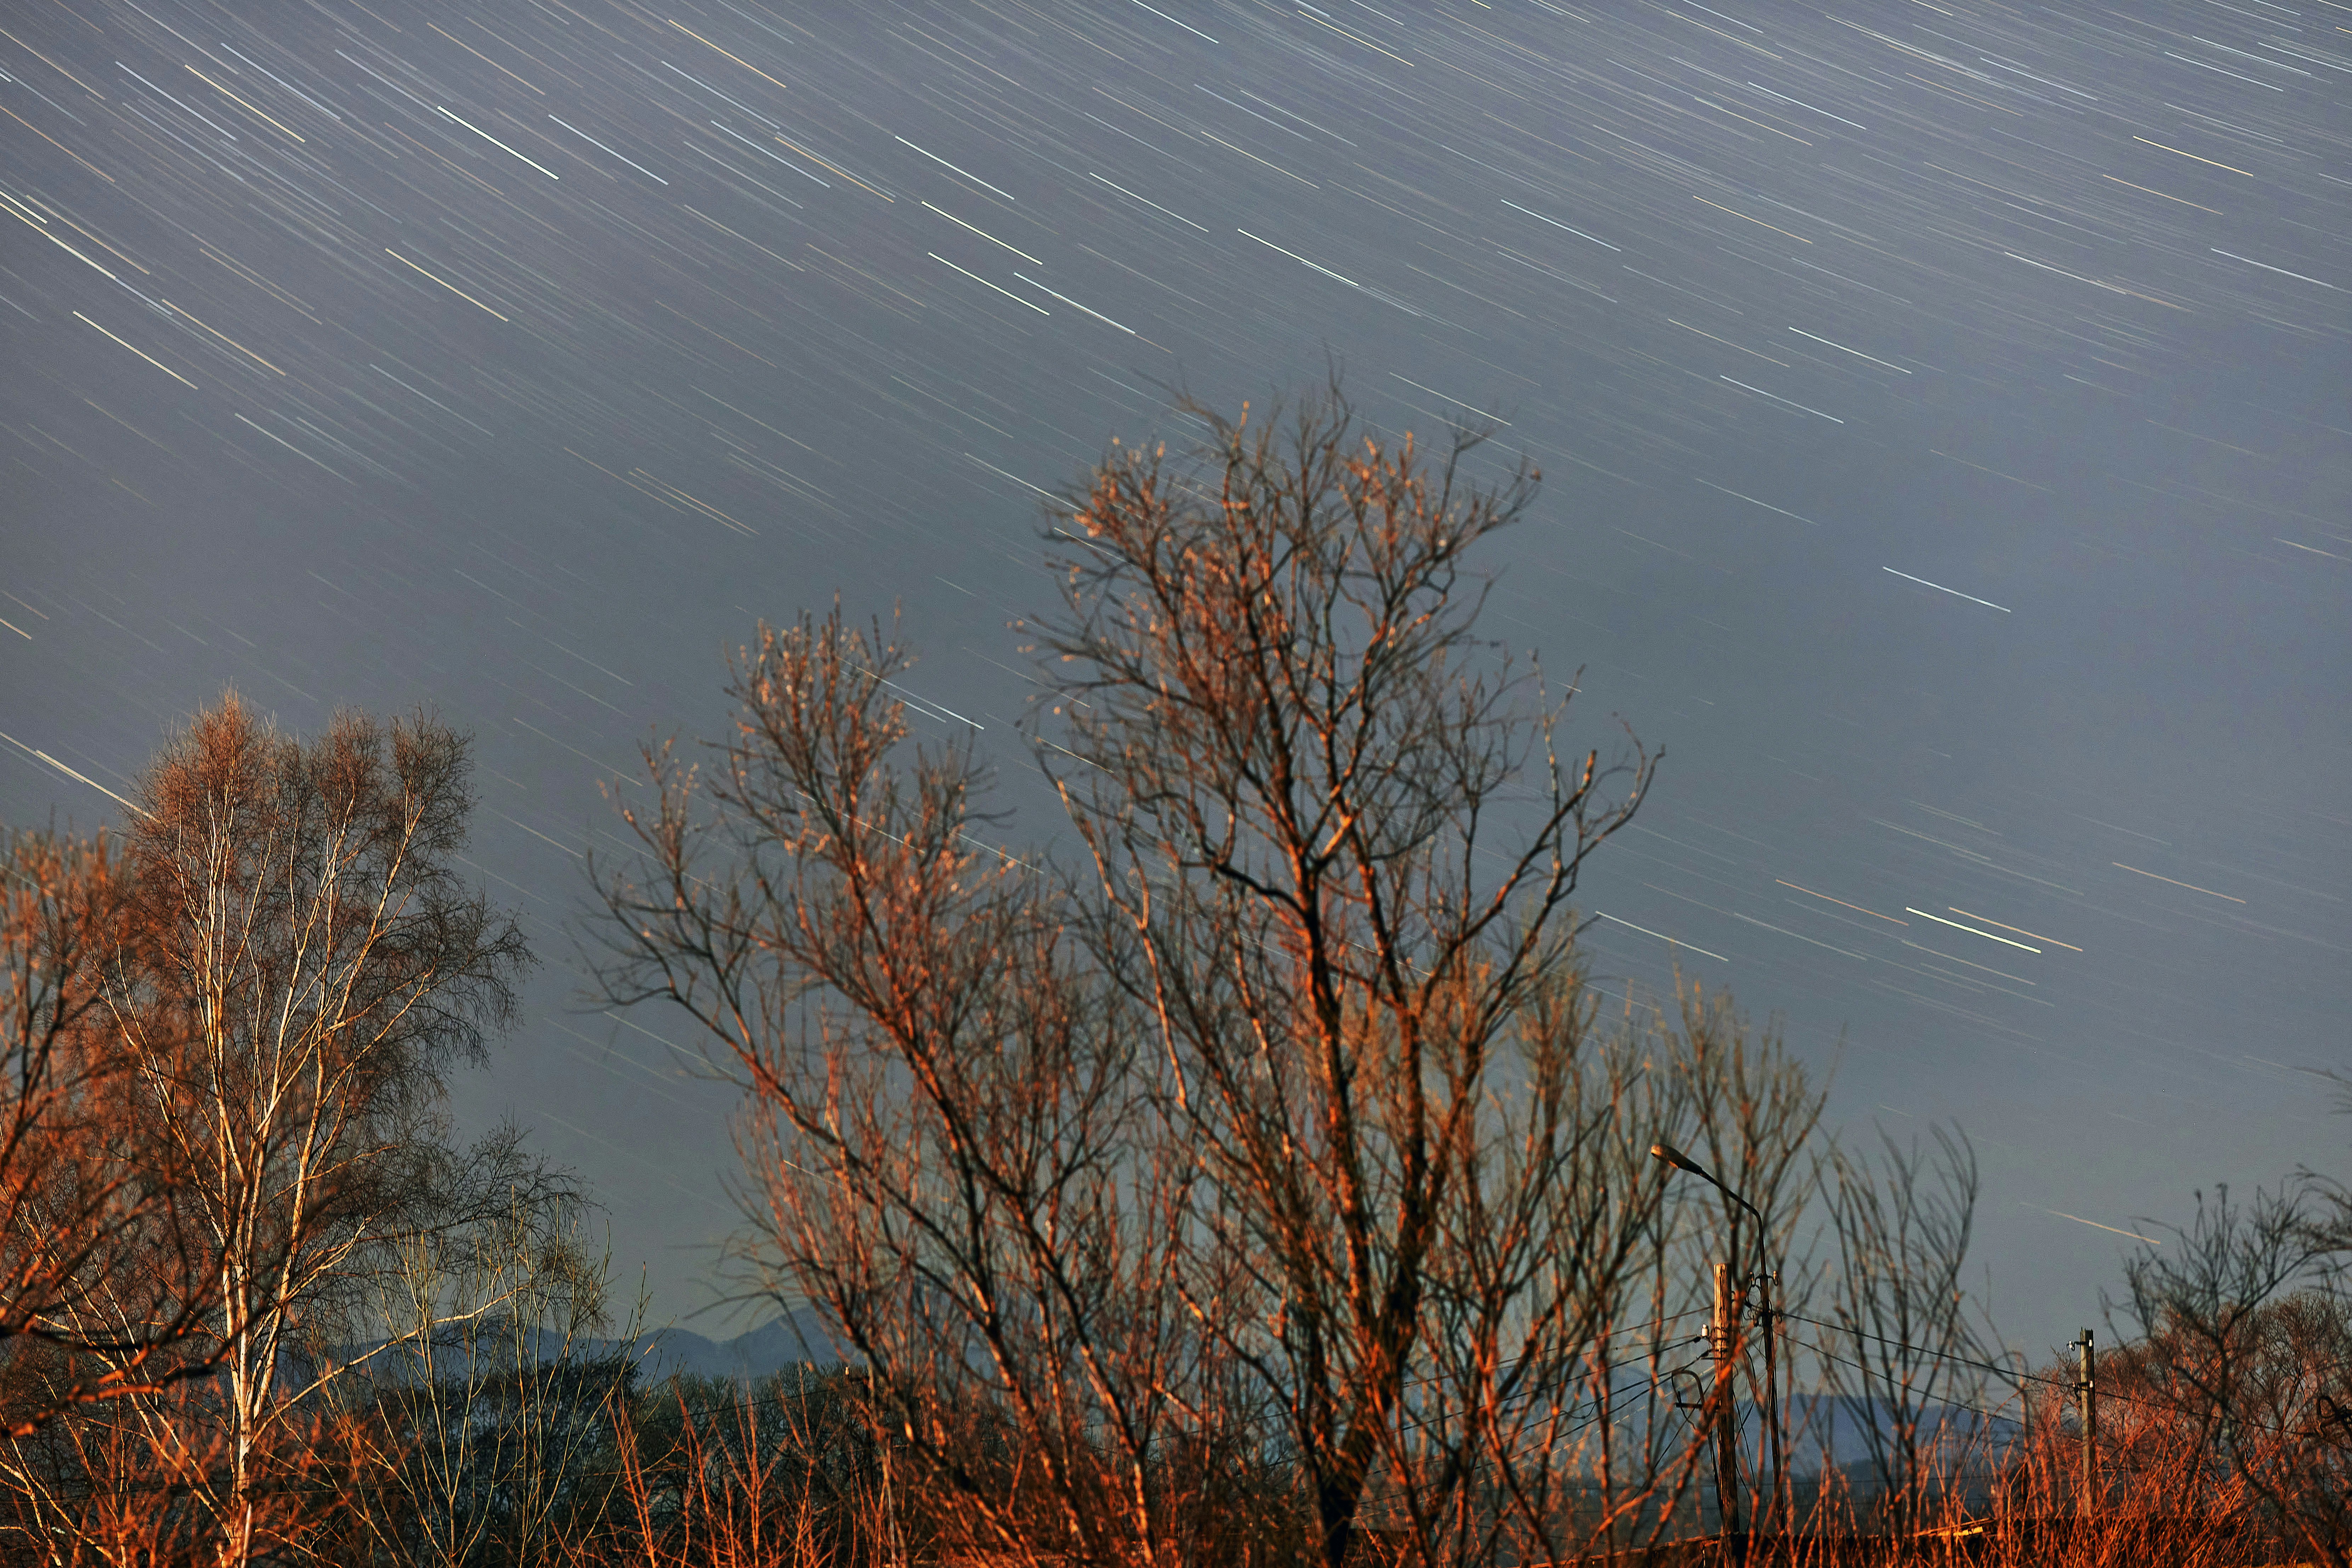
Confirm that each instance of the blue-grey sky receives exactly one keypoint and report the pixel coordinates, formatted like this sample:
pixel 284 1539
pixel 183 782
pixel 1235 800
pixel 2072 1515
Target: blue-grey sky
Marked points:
pixel 1942 409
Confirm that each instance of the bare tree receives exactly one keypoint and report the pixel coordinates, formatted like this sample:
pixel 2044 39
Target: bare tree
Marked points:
pixel 1751 1111
pixel 485 1422
pixel 90 1208
pixel 1906 1349
pixel 1270 1173
pixel 311 966
pixel 946 1149
pixel 2244 1356
pixel 1336 824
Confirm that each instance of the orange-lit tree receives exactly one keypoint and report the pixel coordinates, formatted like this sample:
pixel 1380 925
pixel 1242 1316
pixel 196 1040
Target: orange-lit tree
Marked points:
pixel 1261 1174
pixel 314 964
pixel 104 1288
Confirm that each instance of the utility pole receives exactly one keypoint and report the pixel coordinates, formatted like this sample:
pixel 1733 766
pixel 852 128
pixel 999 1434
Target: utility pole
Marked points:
pixel 1722 1339
pixel 1767 1323
pixel 2086 1392
pixel 1725 1330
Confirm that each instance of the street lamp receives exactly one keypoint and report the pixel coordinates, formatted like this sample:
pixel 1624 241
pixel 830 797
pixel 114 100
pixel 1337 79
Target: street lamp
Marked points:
pixel 1726 1433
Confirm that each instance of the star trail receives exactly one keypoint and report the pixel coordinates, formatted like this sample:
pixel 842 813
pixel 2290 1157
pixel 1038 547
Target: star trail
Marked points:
pixel 1943 408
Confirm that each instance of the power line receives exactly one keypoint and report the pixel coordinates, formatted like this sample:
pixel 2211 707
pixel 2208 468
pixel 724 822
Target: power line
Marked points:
pixel 1948 1404
pixel 1938 1355
pixel 2011 1373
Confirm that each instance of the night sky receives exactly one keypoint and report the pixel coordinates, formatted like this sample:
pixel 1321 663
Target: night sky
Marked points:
pixel 1943 411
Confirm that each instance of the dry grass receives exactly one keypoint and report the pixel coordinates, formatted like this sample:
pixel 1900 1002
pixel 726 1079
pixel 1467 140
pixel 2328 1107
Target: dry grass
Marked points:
pixel 786 1475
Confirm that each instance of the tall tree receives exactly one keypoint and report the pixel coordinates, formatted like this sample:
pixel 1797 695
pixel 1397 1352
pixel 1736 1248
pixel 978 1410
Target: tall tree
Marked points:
pixel 1344 843
pixel 1265 1167
pixel 315 966
pixel 946 1145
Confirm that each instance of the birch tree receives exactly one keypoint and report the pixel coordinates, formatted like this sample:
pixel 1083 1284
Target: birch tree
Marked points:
pixel 316 967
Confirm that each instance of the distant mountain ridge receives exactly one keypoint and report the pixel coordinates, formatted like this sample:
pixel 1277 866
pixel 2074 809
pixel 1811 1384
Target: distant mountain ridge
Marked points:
pixel 793 1340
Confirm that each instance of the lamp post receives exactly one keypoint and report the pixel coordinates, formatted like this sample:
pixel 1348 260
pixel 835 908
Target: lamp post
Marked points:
pixel 1726 1349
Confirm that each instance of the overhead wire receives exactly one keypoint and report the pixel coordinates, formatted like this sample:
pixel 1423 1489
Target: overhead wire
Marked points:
pixel 2011 1372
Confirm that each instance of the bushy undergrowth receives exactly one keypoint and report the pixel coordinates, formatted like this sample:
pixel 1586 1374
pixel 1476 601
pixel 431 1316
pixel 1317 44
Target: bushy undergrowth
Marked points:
pixel 576 1464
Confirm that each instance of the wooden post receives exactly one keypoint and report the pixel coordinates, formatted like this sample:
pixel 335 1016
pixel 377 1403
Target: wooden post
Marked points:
pixel 1768 1321
pixel 2086 1390
pixel 1727 1408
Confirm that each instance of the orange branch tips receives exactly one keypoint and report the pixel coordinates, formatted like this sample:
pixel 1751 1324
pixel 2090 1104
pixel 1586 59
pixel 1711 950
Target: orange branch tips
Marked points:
pixel 1257 1167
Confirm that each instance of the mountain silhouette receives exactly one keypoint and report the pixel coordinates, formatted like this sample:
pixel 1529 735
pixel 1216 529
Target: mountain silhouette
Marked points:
pixel 795 1339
